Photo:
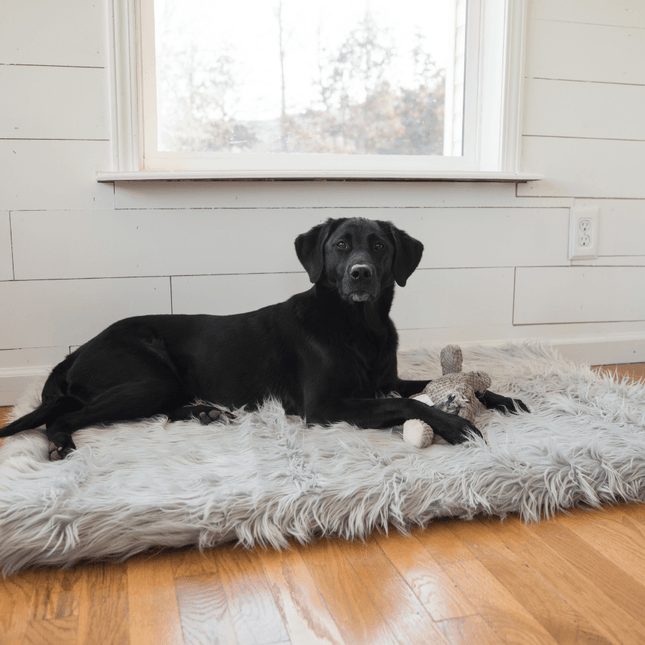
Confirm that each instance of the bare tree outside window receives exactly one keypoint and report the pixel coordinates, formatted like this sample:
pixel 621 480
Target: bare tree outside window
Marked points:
pixel 281 76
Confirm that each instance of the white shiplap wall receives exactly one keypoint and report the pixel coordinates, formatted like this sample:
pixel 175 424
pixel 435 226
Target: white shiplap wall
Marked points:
pixel 76 255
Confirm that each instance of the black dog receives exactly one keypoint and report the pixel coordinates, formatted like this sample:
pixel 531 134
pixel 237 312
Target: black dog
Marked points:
pixel 327 354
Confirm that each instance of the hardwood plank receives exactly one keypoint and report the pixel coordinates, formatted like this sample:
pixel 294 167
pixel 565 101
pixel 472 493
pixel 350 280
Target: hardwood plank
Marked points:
pixel 190 561
pixel 103 604
pixel 636 371
pixel 358 619
pixel 507 617
pixel 255 616
pixel 410 623
pixel 581 593
pixel 564 623
pixel 441 543
pixel 204 612
pixel 468 630
pixel 612 533
pixel 305 614
pixel 57 592
pixel 52 631
pixel 4 415
pixel 614 582
pixel 17 600
pixel 152 599
pixel 434 588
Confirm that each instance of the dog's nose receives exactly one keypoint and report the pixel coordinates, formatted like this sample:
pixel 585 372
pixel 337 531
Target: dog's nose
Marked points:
pixel 359 271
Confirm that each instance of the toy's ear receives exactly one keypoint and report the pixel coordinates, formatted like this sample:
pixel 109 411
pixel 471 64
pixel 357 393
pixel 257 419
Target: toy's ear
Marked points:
pixel 310 248
pixel 407 253
pixel 484 381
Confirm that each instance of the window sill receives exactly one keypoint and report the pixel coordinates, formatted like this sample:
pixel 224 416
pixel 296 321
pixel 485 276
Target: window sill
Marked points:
pixel 304 175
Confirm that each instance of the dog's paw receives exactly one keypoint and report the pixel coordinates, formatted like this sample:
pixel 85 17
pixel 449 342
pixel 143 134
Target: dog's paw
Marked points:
pixel 455 429
pixel 503 404
pixel 208 413
pixel 60 446
pixel 519 406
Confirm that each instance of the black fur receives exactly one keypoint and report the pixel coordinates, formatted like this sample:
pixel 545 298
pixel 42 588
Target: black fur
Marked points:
pixel 326 354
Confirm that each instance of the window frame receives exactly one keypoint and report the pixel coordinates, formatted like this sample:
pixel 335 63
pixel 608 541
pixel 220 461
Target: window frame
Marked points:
pixel 494 66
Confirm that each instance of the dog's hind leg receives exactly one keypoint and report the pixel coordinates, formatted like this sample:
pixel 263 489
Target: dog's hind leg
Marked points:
pixel 124 402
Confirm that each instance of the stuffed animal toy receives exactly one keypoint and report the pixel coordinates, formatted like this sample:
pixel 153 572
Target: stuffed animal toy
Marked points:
pixel 453 392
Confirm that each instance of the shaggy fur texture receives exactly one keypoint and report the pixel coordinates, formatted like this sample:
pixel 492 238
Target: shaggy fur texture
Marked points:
pixel 266 477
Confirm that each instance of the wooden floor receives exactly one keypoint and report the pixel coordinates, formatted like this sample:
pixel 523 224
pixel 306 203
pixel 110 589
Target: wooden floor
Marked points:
pixel 579 578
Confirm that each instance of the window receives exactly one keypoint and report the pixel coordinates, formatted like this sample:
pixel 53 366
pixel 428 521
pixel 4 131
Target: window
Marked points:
pixel 324 88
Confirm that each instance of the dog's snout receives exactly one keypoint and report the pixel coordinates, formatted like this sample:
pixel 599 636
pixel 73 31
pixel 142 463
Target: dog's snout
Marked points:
pixel 360 271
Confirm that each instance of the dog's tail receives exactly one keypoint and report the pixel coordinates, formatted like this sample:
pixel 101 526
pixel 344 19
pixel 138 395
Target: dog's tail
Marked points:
pixel 55 402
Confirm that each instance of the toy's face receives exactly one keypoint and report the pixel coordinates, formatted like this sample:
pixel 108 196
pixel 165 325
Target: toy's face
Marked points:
pixel 358 259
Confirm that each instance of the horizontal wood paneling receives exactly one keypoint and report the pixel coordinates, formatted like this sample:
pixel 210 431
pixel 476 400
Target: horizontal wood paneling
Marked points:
pixel 138 243
pixel 39 175
pixel 319 194
pixel 6 259
pixel 588 110
pixel 188 242
pixel 43 32
pixel 623 13
pixel 584 167
pixel 32 357
pixel 448 297
pixel 488 237
pixel 621 227
pixel 76 101
pixel 431 298
pixel 233 294
pixel 69 312
pixel 579 294
pixel 582 52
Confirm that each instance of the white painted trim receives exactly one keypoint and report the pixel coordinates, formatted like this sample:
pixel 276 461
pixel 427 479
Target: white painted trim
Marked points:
pixel 497 148
pixel 124 85
pixel 448 175
pixel 513 89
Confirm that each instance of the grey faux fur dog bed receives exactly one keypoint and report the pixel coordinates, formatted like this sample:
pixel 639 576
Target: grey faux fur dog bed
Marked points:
pixel 266 477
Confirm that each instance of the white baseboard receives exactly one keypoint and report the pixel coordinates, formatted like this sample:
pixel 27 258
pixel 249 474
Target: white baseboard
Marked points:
pixel 601 350
pixel 15 381
pixel 592 350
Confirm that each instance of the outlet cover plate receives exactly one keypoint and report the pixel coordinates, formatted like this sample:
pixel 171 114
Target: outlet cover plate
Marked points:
pixel 583 233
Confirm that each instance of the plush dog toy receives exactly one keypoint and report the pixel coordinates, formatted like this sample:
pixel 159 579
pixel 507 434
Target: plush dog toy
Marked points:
pixel 453 392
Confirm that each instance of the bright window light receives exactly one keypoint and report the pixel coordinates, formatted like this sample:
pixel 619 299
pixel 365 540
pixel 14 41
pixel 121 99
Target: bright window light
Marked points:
pixel 322 77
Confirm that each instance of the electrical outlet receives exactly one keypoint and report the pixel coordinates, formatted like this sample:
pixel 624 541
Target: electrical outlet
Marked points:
pixel 583 233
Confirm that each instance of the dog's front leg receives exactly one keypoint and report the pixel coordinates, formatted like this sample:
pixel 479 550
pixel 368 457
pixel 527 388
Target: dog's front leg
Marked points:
pixel 386 413
pixel 409 388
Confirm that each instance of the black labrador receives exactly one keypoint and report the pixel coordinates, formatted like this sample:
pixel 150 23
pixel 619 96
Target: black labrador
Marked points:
pixel 328 354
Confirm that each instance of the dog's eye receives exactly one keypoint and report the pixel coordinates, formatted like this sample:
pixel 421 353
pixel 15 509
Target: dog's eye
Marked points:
pixel 379 246
pixel 341 245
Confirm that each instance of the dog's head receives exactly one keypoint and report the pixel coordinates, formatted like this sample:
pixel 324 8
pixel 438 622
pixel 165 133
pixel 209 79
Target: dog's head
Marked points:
pixel 359 257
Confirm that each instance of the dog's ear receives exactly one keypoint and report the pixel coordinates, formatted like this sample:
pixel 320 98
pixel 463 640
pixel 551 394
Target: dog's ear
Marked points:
pixel 407 253
pixel 310 248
